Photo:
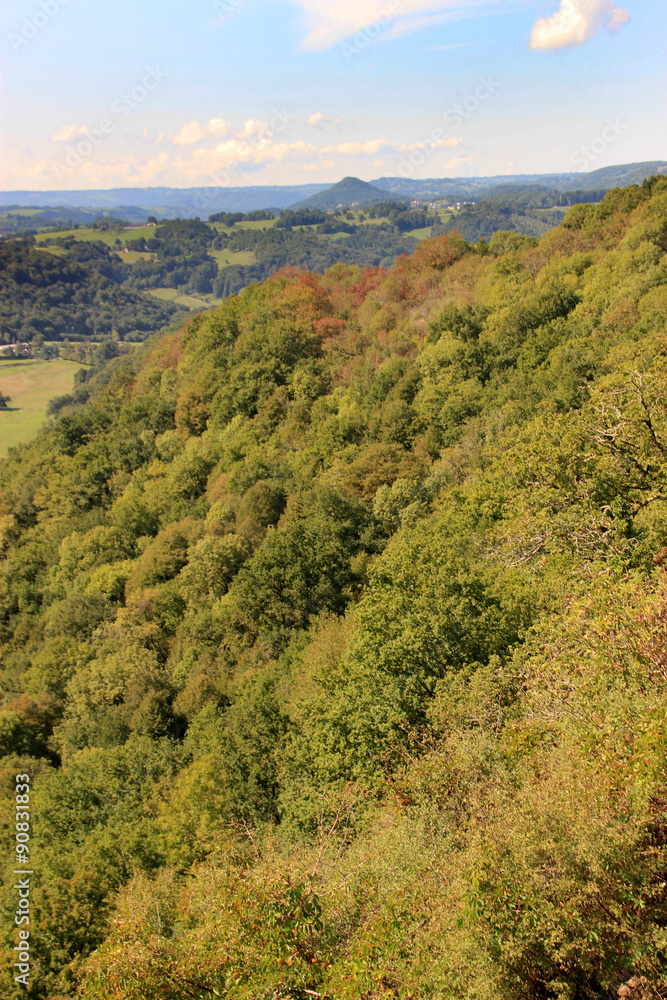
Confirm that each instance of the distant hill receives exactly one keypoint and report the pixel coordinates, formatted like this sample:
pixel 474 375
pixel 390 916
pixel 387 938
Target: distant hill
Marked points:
pixel 170 203
pixel 349 191
pixel 167 203
pixel 463 188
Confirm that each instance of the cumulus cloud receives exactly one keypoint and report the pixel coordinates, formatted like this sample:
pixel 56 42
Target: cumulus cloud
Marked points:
pixel 241 151
pixel 69 132
pixel 575 22
pixel 216 154
pixel 318 118
pixel 192 132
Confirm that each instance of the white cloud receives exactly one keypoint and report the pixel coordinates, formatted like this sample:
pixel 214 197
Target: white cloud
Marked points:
pixel 575 22
pixel 68 132
pixel 328 23
pixel 215 153
pixel 240 151
pixel 192 132
pixel 460 161
pixel 188 134
pixel 218 127
pixel 318 118
pixel 252 128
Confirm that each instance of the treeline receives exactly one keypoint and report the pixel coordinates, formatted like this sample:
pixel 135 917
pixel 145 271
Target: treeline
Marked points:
pixel 368 246
pixel 332 635
pixel 521 209
pixel 231 218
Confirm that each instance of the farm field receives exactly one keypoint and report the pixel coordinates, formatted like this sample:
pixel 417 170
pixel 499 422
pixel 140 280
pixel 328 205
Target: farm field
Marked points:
pixel 226 257
pixel 31 384
pixel 86 234
pixel 190 301
pixel 419 234
pixel 55 251
pixel 252 224
pixel 133 256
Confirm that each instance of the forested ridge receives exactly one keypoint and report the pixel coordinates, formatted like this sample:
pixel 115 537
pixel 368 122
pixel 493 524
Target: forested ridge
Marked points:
pixel 333 634
pixel 77 297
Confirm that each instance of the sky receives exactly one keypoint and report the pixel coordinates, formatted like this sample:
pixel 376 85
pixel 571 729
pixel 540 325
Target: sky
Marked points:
pixel 139 93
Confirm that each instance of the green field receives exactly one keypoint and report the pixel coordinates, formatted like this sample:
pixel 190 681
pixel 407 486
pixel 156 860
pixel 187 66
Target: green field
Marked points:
pixel 85 234
pixel 22 211
pixel 190 301
pixel 225 257
pixel 31 384
pixel 419 234
pixel 55 251
pixel 132 256
pixel 256 224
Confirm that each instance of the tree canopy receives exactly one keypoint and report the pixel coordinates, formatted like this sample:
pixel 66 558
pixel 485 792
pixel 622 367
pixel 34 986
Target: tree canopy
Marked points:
pixel 332 634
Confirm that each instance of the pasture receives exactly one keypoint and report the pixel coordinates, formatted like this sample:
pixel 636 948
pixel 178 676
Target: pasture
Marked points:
pixel 189 301
pixel 31 384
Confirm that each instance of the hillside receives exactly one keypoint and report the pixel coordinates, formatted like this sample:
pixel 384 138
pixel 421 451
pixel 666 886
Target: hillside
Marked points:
pixel 78 297
pixel 332 632
pixel 348 192
pixel 477 187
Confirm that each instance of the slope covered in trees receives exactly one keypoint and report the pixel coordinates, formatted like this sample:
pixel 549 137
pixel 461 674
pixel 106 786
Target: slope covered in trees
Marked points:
pixel 76 297
pixel 333 636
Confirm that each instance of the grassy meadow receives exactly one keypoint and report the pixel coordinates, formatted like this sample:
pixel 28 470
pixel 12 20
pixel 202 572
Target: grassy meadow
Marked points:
pixel 30 384
pixel 225 257
pixel 191 301
pixel 85 233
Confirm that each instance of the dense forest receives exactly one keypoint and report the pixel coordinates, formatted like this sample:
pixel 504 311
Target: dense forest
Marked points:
pixel 332 631
pixel 76 297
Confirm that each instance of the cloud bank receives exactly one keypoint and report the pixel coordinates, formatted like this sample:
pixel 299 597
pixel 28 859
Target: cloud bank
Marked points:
pixel 218 153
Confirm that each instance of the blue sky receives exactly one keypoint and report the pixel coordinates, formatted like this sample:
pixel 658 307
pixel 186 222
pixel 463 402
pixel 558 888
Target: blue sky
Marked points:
pixel 167 92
